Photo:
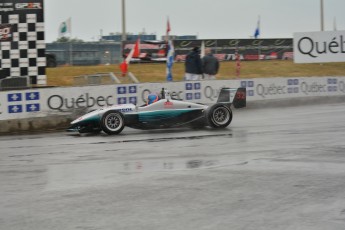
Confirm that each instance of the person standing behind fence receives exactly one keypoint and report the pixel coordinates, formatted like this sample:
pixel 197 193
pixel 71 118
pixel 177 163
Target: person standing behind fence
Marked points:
pixel 210 65
pixel 193 65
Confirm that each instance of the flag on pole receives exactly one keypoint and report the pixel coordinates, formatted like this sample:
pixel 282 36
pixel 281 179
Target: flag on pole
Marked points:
pixel 65 28
pixel 202 53
pixel 238 64
pixel 257 30
pixel 168 30
pixel 135 52
pixel 170 60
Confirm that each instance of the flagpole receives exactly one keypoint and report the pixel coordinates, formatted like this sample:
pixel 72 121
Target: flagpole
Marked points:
pixel 70 43
pixel 70 52
pixel 321 13
pixel 124 37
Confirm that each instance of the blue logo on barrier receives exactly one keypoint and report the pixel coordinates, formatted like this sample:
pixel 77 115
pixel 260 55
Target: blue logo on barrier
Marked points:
pixel 189 86
pixel 14 97
pixel 132 89
pixel 248 84
pixel 18 97
pixel 332 81
pixel 332 85
pixel 121 100
pixel 293 90
pixel 121 90
pixel 133 100
pixel 332 88
pixel 196 87
pixel 32 96
pixel 189 96
pixel 292 81
pixel 15 109
pixel 197 96
pixel 245 84
pixel 32 107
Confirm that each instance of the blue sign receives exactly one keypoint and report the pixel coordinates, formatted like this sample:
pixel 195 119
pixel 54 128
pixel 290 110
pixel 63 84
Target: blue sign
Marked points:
pixel 32 96
pixel 14 97
pixel 332 81
pixel 32 107
pixel 15 109
pixel 197 86
pixel 121 90
pixel 132 89
pixel 189 96
pixel 246 84
pixel 189 86
pixel 332 88
pixel 133 100
pixel 292 81
pixel 121 100
pixel 197 95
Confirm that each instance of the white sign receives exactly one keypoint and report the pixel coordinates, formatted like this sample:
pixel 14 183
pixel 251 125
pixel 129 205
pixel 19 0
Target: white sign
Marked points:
pixel 316 47
pixel 31 103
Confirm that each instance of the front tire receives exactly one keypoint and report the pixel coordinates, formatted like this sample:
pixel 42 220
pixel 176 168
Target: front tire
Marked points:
pixel 112 122
pixel 219 116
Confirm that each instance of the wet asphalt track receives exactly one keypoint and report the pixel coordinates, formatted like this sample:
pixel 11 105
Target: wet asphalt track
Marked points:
pixel 280 168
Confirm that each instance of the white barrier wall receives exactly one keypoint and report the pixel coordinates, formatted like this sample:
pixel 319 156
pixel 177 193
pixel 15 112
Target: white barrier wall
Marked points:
pixel 59 101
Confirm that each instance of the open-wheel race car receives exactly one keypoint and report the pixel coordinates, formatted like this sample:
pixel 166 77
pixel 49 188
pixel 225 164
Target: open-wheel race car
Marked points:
pixel 164 113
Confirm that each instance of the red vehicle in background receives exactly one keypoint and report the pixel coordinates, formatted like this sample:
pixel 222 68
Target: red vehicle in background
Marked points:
pixel 150 51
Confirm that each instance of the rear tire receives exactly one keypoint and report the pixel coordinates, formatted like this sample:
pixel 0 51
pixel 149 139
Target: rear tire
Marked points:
pixel 112 122
pixel 219 116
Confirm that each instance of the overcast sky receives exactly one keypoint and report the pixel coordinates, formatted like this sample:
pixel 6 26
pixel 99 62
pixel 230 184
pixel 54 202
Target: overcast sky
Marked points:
pixel 208 19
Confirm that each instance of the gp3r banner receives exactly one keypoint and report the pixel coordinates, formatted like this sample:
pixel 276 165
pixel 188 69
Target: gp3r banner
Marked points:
pixel 22 43
pixel 317 47
pixel 5 32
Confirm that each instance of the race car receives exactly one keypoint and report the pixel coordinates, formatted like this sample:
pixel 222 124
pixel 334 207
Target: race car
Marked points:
pixel 164 113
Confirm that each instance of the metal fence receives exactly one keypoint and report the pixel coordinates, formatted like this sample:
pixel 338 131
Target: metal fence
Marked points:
pixel 104 79
pixel 14 83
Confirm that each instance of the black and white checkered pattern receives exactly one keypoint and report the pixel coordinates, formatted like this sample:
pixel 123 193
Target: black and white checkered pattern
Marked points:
pixel 25 54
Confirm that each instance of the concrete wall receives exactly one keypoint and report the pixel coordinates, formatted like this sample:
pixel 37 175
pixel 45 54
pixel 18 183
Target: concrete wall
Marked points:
pixel 54 108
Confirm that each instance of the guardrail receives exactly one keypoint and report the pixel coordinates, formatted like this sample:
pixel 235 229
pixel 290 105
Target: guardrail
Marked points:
pixel 14 83
pixel 103 79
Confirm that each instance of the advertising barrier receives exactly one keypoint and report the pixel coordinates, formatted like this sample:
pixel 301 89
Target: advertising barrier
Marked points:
pixel 316 47
pixel 223 49
pixel 33 103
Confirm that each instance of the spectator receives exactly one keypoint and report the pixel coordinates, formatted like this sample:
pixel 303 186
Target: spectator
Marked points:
pixel 193 65
pixel 210 65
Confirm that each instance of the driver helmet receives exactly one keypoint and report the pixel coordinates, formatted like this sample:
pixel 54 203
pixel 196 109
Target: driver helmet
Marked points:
pixel 152 98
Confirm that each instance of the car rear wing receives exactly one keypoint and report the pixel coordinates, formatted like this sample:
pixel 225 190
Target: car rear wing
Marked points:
pixel 233 96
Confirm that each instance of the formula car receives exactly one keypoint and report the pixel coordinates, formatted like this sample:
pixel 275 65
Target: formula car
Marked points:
pixel 164 113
